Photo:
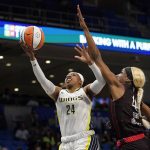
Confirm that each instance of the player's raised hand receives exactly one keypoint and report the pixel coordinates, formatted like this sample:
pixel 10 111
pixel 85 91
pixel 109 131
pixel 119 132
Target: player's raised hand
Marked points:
pixel 81 19
pixel 27 50
pixel 84 56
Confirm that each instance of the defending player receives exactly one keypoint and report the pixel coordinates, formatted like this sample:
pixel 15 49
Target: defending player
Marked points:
pixel 127 108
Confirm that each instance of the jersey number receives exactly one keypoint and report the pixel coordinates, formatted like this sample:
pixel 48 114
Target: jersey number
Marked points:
pixel 134 103
pixel 70 109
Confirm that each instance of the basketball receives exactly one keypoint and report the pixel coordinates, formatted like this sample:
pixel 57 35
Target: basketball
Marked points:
pixel 33 37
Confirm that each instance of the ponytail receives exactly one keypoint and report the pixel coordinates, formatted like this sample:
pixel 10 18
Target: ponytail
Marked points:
pixel 140 92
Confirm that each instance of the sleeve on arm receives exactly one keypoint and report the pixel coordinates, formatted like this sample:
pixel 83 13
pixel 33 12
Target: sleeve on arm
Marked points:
pixel 100 82
pixel 47 85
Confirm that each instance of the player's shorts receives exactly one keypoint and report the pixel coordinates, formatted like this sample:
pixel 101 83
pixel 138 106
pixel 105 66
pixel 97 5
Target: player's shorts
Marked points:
pixel 82 141
pixel 142 144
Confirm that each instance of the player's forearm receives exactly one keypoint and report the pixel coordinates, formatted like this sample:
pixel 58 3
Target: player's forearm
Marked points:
pixel 92 49
pixel 96 56
pixel 99 83
pixel 91 45
pixel 47 85
pixel 89 39
pixel 145 111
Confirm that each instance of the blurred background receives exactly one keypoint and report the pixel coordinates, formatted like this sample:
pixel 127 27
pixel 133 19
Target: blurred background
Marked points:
pixel 28 118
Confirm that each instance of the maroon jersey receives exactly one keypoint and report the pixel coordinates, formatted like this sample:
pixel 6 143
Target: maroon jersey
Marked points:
pixel 125 118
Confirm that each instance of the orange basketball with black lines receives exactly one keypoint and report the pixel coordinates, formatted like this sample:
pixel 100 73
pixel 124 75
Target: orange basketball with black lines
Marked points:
pixel 33 37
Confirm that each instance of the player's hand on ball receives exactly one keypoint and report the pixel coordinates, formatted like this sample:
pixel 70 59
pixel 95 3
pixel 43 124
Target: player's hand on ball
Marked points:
pixel 27 50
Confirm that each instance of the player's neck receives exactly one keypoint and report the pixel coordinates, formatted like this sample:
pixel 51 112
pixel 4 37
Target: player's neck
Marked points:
pixel 73 89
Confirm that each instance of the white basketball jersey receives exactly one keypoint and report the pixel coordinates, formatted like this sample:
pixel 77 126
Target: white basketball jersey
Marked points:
pixel 74 112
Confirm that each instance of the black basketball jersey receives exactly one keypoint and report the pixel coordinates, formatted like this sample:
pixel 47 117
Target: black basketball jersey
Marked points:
pixel 125 118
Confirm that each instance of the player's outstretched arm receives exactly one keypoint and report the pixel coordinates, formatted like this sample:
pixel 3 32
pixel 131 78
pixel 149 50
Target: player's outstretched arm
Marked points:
pixel 90 41
pixel 99 83
pixel 117 89
pixel 94 52
pixel 47 85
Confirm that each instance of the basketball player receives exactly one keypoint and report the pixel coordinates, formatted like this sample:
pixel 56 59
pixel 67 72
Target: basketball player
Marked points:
pixel 73 104
pixel 127 108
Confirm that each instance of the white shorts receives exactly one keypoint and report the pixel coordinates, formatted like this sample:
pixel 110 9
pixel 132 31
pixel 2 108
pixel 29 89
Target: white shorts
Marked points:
pixel 83 143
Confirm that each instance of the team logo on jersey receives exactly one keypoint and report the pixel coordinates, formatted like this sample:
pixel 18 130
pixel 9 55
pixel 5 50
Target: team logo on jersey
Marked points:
pixel 69 99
